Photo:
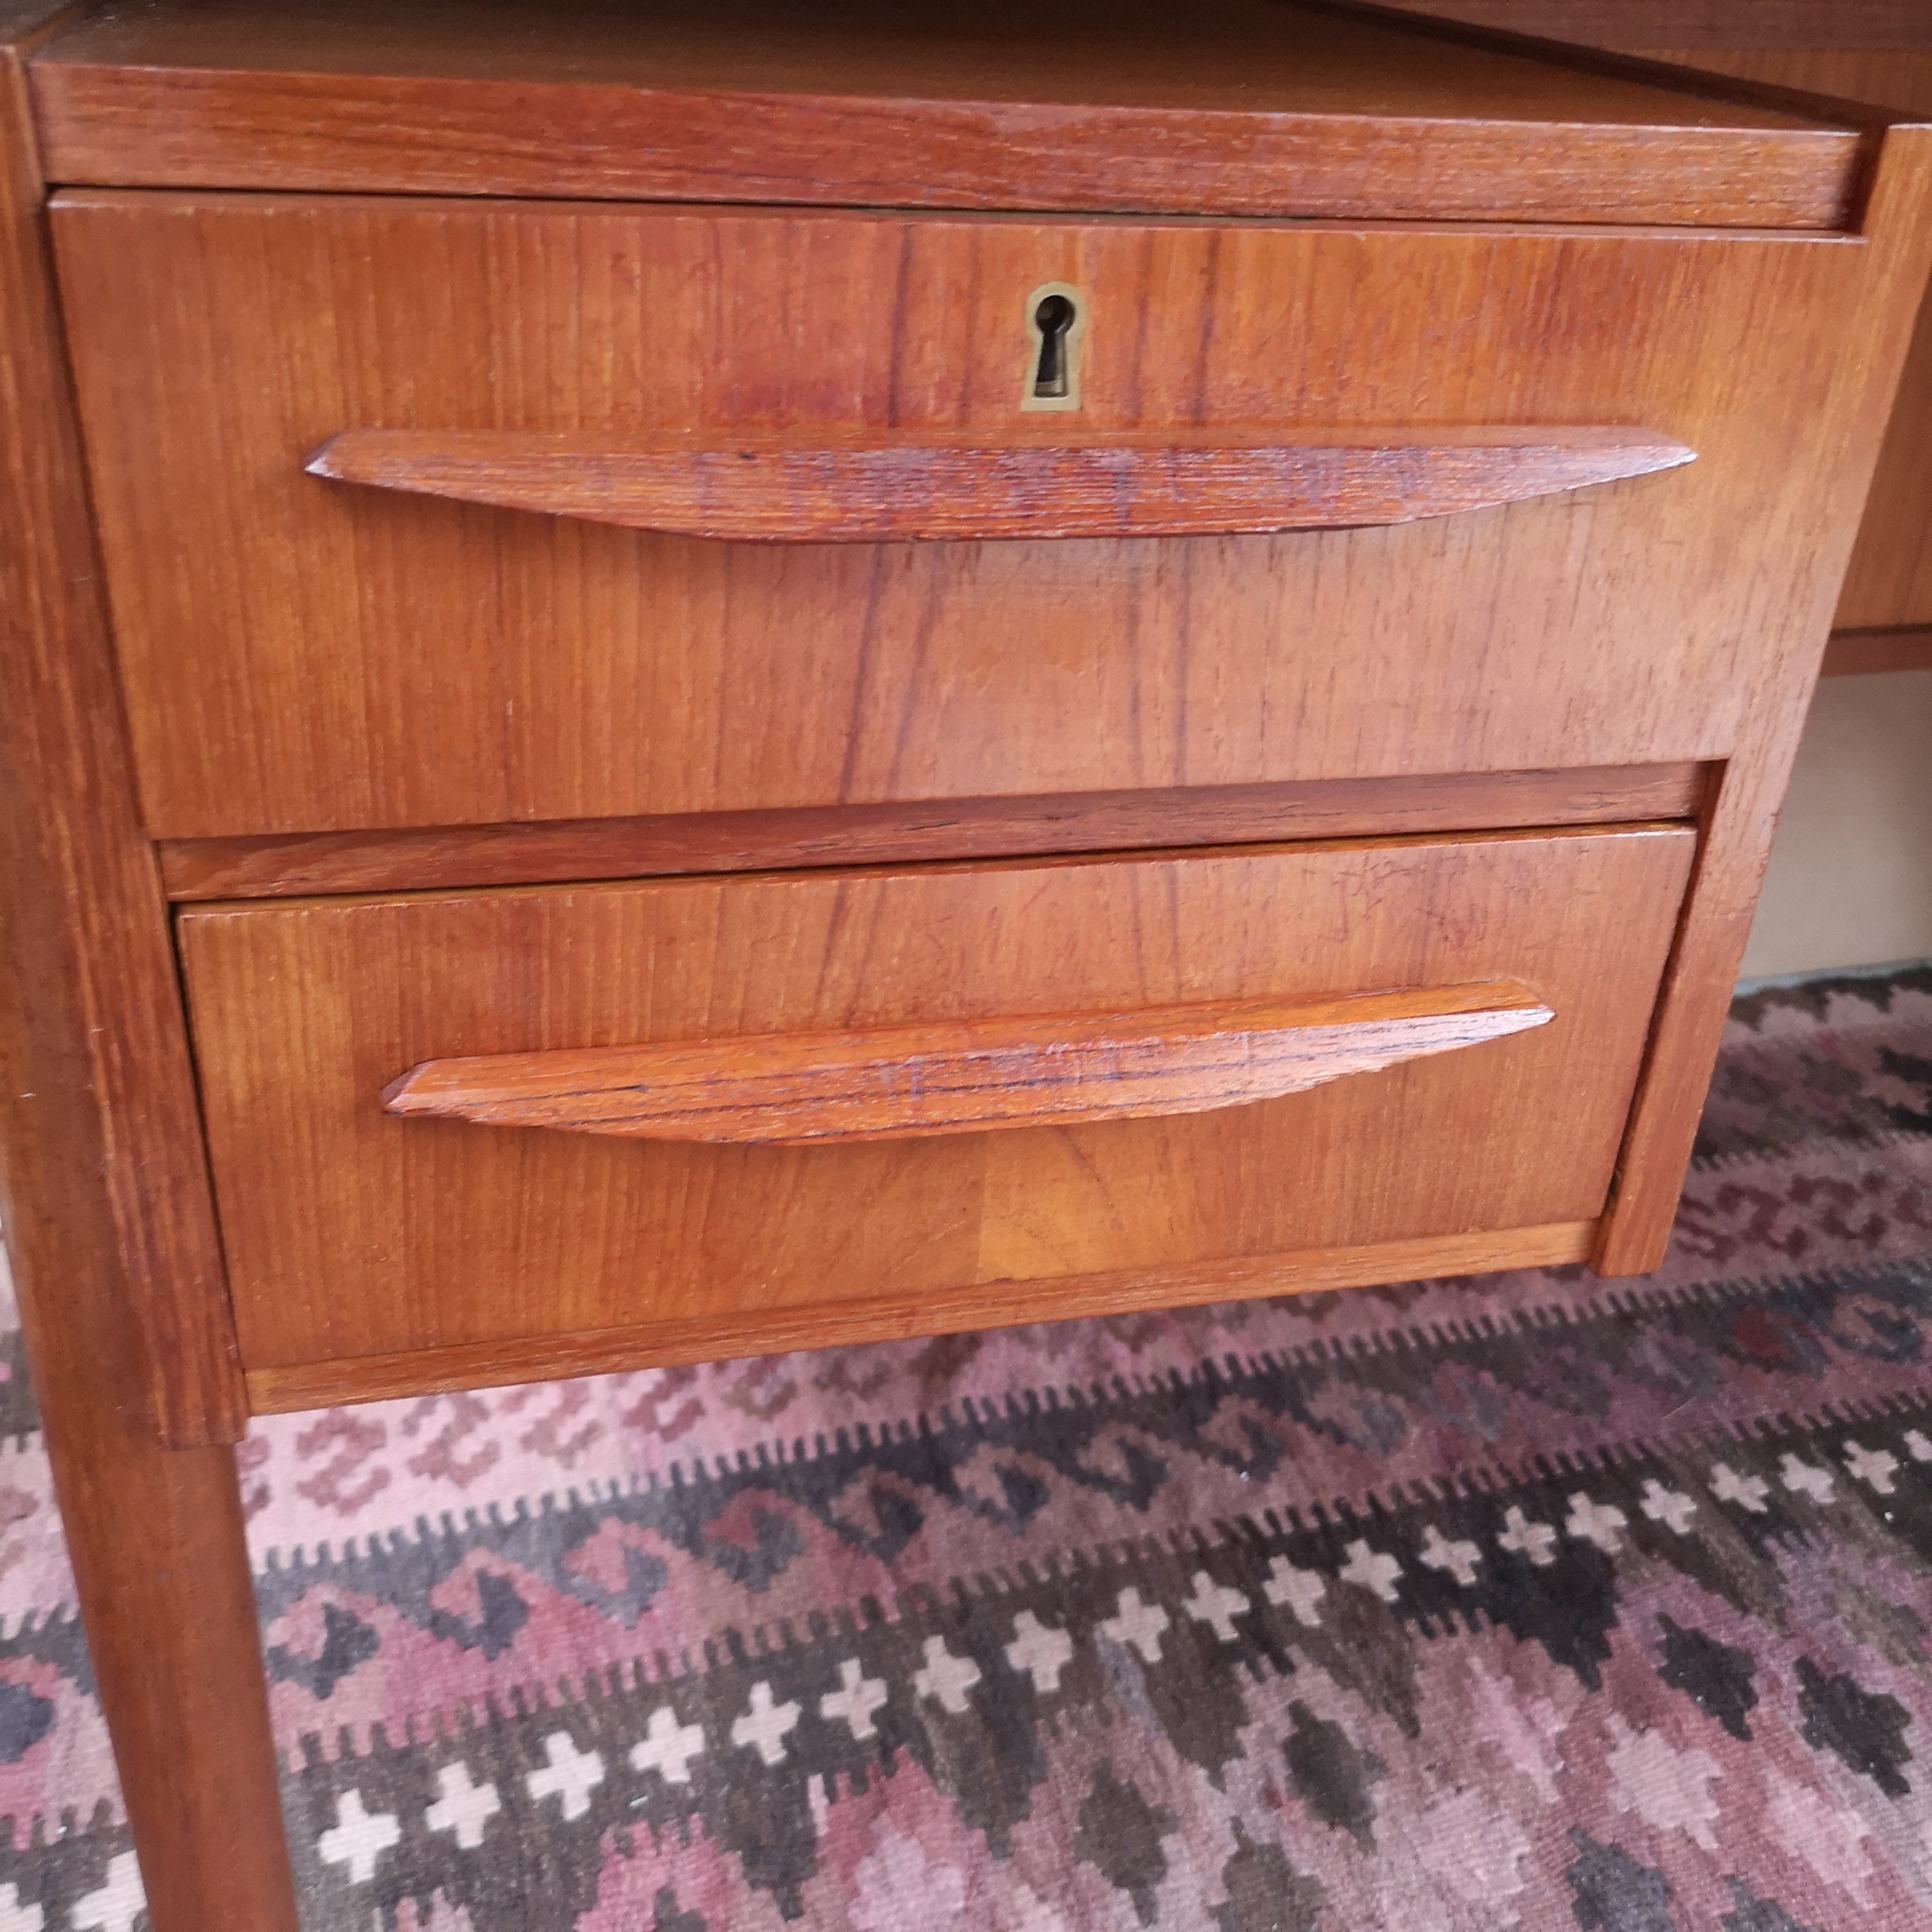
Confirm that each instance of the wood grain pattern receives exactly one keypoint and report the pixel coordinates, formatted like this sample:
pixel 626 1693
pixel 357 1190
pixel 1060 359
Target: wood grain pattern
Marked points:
pixel 1743 811
pixel 781 488
pixel 1888 582
pixel 1874 50
pixel 706 1338
pixel 353 1233
pixel 1869 48
pixel 1248 109
pixel 88 911
pixel 298 661
pixel 907 1083
pixel 973 828
pixel 1857 653
pixel 105 1207
pixel 299 658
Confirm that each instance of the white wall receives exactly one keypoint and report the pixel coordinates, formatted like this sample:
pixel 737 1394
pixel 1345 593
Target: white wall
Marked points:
pixel 1850 879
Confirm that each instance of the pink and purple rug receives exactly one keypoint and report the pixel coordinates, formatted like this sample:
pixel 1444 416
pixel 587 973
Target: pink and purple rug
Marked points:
pixel 1530 1601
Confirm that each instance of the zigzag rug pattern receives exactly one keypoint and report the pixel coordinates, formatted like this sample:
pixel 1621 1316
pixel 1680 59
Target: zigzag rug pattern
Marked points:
pixel 1532 1600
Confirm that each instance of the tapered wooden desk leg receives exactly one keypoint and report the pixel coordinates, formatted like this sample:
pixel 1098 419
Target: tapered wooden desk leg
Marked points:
pixel 155 1535
pixel 106 1204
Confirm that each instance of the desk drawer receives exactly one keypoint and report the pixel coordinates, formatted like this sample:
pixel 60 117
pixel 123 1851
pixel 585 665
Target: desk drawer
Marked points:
pixel 303 653
pixel 354 1233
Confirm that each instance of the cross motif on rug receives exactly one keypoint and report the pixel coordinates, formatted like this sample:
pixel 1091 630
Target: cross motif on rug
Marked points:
pixel 855 1700
pixel 1746 1492
pixel 1300 1590
pixel 1671 1507
pixel 464 1808
pixel 1602 1524
pixel 1459 1558
pixel 766 1725
pixel 668 1747
pixel 1522 1536
pixel 1041 1652
pixel 946 1678
pixel 1137 1624
pixel 1217 1605
pixel 1874 1468
pixel 1372 1569
pixel 1801 1478
pixel 572 1774
pixel 358 1838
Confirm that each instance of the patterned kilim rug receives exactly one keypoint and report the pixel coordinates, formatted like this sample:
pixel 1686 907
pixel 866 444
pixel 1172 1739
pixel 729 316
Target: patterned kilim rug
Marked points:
pixel 1531 1601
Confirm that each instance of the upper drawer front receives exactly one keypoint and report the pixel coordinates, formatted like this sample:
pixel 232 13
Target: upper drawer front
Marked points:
pixel 301 653
pixel 353 1231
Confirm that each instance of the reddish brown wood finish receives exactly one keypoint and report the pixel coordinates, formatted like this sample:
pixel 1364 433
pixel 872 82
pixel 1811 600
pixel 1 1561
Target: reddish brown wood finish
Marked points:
pixel 1874 50
pixel 1878 49
pixel 106 1208
pixel 298 661
pixel 972 828
pixel 1889 584
pixel 303 658
pixel 907 1083
pixel 93 900
pixel 1868 55
pixel 709 1338
pixel 351 1232
pixel 1247 108
pixel 1743 813
pixel 927 488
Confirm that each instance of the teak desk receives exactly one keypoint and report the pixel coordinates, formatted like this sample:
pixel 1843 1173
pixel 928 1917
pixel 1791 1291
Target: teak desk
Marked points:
pixel 1864 49
pixel 688 679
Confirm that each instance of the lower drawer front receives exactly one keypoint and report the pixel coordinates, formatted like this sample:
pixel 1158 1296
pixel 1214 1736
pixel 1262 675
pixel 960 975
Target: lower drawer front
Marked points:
pixel 352 1231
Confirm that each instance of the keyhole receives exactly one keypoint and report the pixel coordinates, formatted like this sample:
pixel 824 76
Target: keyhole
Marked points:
pixel 1053 318
pixel 1057 319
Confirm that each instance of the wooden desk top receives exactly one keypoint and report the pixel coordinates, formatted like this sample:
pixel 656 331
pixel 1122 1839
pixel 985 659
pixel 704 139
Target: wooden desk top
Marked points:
pixel 1250 108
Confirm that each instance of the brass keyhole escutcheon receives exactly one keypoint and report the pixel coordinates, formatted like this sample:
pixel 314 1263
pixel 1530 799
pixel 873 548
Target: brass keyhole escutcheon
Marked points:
pixel 1056 326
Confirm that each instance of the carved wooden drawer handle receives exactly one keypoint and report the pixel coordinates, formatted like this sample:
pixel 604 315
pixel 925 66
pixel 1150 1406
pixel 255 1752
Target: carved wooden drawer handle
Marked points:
pixel 905 487
pixel 897 1083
